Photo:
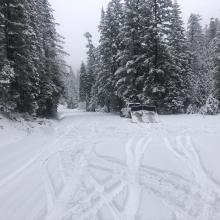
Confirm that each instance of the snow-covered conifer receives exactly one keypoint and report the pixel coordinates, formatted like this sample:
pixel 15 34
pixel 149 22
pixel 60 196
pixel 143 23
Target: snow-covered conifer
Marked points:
pixel 110 40
pixel 199 74
pixel 7 77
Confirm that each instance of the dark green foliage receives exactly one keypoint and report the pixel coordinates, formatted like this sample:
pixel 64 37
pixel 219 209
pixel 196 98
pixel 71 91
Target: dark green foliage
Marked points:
pixel 88 74
pixel 84 89
pixel 217 64
pixel 7 78
pixel 145 55
pixel 28 41
pixel 129 75
pixel 110 40
pixel 202 65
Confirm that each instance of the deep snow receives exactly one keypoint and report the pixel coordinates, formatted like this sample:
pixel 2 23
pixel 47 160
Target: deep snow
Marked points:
pixel 101 166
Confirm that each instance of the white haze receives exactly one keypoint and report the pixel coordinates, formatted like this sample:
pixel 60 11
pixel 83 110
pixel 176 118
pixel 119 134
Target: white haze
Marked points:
pixel 79 16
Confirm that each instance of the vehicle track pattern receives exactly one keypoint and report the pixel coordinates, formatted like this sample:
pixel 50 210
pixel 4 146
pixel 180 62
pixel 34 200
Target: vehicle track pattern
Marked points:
pixel 101 187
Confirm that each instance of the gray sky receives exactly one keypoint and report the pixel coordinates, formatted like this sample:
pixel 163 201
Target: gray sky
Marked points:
pixel 79 16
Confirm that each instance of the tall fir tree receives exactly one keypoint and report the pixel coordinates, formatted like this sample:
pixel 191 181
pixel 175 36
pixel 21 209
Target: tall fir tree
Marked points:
pixel 216 42
pixel 213 28
pixel 179 89
pixel 201 76
pixel 29 47
pixel 7 77
pixel 71 90
pixel 84 89
pixel 19 39
pixel 110 39
pixel 159 81
pixel 90 70
pixel 129 75
pixel 51 85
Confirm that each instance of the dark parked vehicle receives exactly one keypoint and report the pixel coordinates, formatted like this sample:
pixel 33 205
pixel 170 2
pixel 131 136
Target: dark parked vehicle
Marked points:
pixel 140 113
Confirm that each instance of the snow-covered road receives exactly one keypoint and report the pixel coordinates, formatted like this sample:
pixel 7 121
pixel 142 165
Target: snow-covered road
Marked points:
pixel 100 166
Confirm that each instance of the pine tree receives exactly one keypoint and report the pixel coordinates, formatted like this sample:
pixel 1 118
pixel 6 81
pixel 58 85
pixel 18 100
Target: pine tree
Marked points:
pixel 90 73
pixel 2 36
pixel 29 46
pixel 95 94
pixel 18 42
pixel 214 27
pixel 110 39
pixel 84 89
pixel 51 86
pixel 179 89
pixel 159 81
pixel 209 57
pixel 129 75
pixel 7 76
pixel 71 89
pixel 217 64
pixel 201 77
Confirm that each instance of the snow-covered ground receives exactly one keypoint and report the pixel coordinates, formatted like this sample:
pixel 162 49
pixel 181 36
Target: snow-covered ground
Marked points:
pixel 100 166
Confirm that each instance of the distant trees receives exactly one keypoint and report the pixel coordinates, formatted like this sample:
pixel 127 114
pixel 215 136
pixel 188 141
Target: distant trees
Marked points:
pixel 84 89
pixel 145 55
pixel 87 72
pixel 196 40
pixel 29 48
pixel 71 84
pixel 203 54
pixel 7 77
pixel 216 42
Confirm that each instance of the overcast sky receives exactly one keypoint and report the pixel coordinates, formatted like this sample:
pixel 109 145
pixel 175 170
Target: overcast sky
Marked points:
pixel 79 16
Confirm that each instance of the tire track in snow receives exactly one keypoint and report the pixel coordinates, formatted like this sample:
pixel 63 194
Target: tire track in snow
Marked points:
pixel 76 164
pixel 19 171
pixel 134 154
pixel 204 198
pixel 107 195
pixel 185 198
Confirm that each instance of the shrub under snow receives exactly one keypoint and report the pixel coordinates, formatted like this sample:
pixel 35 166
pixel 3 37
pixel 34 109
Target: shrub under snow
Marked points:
pixel 192 109
pixel 212 106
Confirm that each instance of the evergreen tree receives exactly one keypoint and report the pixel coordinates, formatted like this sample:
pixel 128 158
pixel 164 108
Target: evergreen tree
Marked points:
pixel 153 55
pixel 201 77
pixel 209 57
pixel 159 79
pixel 90 73
pixel 217 64
pixel 7 76
pixel 51 86
pixel 19 40
pixel 2 36
pixel 84 89
pixel 214 27
pixel 29 46
pixel 129 75
pixel 94 101
pixel 145 56
pixel 71 89
pixel 110 39
pixel 179 89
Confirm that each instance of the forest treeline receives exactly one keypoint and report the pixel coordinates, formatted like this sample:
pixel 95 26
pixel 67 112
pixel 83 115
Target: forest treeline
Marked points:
pixel 31 58
pixel 146 55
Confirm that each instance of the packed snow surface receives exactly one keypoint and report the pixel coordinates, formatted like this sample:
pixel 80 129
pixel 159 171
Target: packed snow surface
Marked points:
pixel 100 166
